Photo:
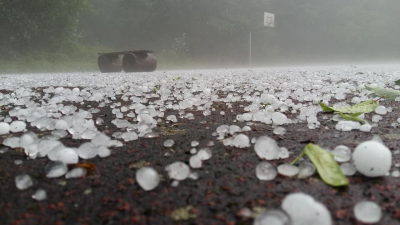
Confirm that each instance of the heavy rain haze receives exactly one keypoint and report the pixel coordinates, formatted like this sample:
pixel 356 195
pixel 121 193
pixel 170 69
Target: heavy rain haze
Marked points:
pixel 250 112
pixel 63 35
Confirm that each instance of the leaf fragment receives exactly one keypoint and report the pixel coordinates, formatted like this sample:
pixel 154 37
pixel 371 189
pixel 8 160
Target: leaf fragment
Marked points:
pixel 325 107
pixel 89 166
pixel 352 117
pixel 327 167
pixel 362 107
pixel 389 94
pixel 183 214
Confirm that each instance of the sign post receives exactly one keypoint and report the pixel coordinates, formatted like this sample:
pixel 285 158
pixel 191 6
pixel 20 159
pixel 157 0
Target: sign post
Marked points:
pixel 269 21
pixel 250 49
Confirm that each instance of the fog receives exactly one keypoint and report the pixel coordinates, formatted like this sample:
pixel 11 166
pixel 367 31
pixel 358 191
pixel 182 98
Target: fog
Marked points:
pixel 206 33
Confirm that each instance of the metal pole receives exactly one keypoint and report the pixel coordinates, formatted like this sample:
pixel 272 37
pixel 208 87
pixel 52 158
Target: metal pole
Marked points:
pixel 250 50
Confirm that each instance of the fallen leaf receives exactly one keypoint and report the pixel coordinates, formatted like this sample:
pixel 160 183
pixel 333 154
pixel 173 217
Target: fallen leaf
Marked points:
pixel 353 117
pixel 386 93
pixel 362 107
pixel 328 169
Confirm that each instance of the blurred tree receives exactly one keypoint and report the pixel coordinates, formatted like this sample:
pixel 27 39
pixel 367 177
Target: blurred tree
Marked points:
pixel 208 29
pixel 39 25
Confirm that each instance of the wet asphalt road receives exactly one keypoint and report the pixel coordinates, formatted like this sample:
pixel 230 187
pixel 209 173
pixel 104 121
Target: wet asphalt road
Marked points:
pixel 226 185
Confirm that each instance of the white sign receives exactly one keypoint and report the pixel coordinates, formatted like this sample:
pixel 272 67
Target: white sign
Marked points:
pixel 269 19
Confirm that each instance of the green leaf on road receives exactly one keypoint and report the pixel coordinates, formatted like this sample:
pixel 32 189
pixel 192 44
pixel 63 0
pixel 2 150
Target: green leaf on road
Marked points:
pixel 362 107
pixel 325 107
pixel 352 117
pixel 326 165
pixel 389 94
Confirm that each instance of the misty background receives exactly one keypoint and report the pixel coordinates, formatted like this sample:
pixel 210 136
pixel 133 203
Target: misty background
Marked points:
pixel 66 35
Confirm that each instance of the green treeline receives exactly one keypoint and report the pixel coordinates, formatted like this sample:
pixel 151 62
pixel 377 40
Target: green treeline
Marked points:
pixel 66 35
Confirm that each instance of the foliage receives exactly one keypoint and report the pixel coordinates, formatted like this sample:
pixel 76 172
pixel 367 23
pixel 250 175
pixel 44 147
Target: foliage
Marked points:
pixel 183 214
pixel 37 26
pixel 353 117
pixel 327 167
pixel 207 33
pixel 386 93
pixel 359 108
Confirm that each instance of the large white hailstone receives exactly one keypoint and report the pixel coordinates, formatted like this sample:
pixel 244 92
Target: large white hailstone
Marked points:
pixel 56 169
pixel 279 118
pixel 266 148
pixel 101 139
pixel 59 133
pixel 195 162
pixel 89 134
pixel 372 159
pixel 103 151
pixel 147 178
pixel 61 125
pixel 23 181
pixel 279 131
pixel 288 170
pixel 247 117
pixel 304 210
pixel 355 100
pixel 341 153
pixel 241 141
pixel 306 169
pixel 204 153
pixel 4 128
pixel 348 169
pixel 27 139
pixel 76 173
pixel 87 150
pixel 169 143
pixel 272 217
pixel 194 143
pixel 12 142
pixel 178 171
pixel 222 129
pixel 53 154
pixel 32 150
pixel 246 128
pixel 366 127
pixel 68 156
pixel 39 195
pixel 146 118
pixel 172 118
pixel 381 110
pixel 346 125
pixel 234 129
pixel 367 212
pixel 17 126
pixel 283 153
pixel 265 171
pixel 46 146
pixel 129 136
